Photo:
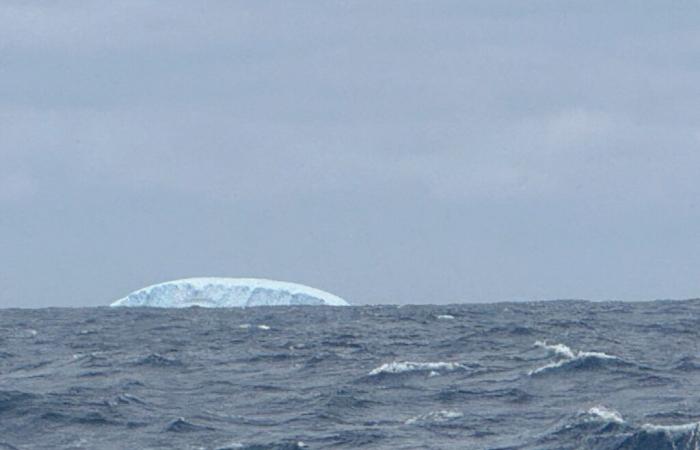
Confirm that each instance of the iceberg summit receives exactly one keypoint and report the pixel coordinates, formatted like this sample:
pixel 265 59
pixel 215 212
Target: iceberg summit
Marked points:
pixel 228 292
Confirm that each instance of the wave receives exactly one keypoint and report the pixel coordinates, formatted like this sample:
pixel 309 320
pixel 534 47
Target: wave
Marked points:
pixel 18 333
pixel 358 438
pixel 687 364
pixel 445 317
pixel 91 418
pixel 290 445
pixel 433 417
pixel 569 358
pixel 10 400
pixel 93 360
pixel 662 437
pixel 510 395
pixel 606 414
pixel 247 326
pixel 601 427
pixel 181 425
pixel 157 360
pixel 235 445
pixel 435 368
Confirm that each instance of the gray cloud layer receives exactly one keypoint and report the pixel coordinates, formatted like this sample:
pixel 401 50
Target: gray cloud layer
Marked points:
pixel 407 151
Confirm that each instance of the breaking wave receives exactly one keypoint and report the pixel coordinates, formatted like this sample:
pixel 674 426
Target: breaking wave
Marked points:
pixel 567 358
pixel 432 417
pixel 397 367
pixel 601 427
pixel 445 317
pixel 606 414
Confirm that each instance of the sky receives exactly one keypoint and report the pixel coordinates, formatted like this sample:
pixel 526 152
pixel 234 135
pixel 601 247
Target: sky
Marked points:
pixel 388 152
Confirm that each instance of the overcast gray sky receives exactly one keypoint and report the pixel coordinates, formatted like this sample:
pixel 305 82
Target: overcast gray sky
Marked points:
pixel 385 151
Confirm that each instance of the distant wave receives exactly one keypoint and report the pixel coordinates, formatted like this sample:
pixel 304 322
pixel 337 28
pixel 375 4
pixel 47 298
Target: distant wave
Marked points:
pixel 157 360
pixel 18 333
pixel 568 357
pixel 445 317
pixel 288 445
pixel 247 326
pixel 409 366
pixel 432 417
pixel 688 364
pixel 181 425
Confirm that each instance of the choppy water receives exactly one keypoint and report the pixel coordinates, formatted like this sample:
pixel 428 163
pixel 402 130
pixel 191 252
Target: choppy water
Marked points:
pixel 556 375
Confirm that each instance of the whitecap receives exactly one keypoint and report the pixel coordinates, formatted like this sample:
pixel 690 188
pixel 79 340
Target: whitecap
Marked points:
pixel 673 429
pixel 567 356
pixel 683 436
pixel 231 446
pixel 19 333
pixel 263 327
pixel 557 349
pixel 445 317
pixel 409 366
pixel 435 417
pixel 606 414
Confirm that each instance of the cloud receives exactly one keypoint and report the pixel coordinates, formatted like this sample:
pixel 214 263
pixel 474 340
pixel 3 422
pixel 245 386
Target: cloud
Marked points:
pixel 351 134
pixel 570 152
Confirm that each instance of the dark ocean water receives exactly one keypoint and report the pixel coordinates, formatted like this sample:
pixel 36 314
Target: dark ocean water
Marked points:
pixel 555 375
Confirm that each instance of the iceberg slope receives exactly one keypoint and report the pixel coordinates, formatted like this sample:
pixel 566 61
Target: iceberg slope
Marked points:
pixel 228 292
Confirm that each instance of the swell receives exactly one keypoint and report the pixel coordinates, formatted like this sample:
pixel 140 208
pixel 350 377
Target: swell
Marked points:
pixel 603 428
pixel 459 376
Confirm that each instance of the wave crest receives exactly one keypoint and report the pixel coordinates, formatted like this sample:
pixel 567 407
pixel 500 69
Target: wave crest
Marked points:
pixel 441 416
pixel 601 427
pixel 606 414
pixel 397 367
pixel 569 358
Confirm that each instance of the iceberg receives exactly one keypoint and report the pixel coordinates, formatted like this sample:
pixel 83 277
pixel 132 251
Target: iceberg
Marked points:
pixel 228 292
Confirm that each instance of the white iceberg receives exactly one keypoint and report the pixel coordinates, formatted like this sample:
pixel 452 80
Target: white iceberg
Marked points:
pixel 228 292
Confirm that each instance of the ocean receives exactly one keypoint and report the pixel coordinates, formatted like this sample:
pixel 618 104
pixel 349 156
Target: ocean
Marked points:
pixel 544 375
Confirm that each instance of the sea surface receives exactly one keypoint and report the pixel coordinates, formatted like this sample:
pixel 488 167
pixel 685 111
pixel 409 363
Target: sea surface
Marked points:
pixel 548 375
